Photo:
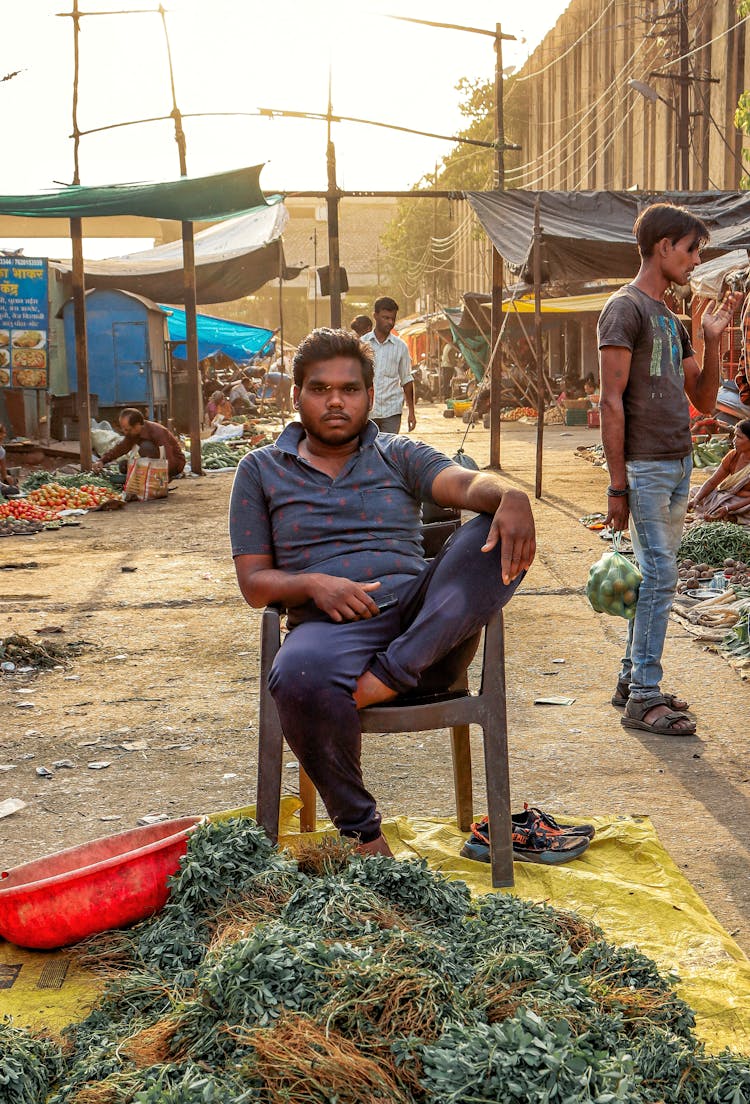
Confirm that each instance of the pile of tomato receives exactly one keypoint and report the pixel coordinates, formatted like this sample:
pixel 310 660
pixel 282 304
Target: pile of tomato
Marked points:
pixel 47 503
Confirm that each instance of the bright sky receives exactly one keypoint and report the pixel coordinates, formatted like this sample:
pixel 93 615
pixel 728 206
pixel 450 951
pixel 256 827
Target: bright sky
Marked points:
pixel 239 55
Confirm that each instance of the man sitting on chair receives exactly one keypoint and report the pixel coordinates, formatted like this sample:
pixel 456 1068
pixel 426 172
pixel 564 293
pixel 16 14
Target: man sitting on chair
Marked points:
pixel 326 522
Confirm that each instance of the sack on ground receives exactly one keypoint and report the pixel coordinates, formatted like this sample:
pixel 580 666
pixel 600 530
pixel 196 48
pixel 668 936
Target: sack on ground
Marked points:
pixel 147 478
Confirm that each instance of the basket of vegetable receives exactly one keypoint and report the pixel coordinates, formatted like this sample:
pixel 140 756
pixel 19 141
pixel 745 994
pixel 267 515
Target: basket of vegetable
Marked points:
pixel 613 583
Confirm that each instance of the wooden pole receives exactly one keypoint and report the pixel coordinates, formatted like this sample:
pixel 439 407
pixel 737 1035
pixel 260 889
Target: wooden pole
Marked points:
pixel 540 390
pixel 79 282
pixel 332 202
pixel 195 391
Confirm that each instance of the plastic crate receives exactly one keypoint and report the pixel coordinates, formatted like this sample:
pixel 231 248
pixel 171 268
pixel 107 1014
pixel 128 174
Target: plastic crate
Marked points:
pixel 576 417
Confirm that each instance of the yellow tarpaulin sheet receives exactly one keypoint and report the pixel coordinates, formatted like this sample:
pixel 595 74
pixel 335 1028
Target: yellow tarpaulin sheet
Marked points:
pixel 625 883
pixel 569 304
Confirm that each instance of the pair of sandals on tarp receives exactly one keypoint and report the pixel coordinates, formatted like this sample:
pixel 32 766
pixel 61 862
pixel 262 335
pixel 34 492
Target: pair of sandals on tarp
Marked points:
pixel 664 725
pixel 537 838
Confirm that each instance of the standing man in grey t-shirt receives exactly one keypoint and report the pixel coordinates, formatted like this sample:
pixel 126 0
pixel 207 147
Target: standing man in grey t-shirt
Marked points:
pixel 393 379
pixel 647 367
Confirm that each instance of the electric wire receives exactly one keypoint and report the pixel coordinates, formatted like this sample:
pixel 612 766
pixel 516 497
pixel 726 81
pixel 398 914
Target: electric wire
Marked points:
pixel 555 60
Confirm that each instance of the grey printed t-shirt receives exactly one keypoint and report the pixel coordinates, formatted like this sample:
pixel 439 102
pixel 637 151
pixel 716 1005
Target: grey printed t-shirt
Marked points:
pixel 657 417
pixel 362 525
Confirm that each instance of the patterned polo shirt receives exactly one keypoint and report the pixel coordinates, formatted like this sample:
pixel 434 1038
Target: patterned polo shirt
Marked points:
pixel 362 525
pixel 392 371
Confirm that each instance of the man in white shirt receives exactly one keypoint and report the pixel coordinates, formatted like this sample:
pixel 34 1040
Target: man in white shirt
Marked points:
pixel 393 378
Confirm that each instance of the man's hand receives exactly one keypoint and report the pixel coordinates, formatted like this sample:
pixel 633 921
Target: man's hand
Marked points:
pixel 513 526
pixel 412 420
pixel 618 513
pixel 716 319
pixel 344 599
pixel 97 467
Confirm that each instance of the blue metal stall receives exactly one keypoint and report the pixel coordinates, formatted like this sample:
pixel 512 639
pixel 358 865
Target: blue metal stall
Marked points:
pixel 126 351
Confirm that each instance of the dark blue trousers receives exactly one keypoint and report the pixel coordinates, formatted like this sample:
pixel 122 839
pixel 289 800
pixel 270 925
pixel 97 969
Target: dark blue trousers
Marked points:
pixel 423 644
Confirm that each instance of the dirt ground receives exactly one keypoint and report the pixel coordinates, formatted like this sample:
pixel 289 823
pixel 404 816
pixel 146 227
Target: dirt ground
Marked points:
pixel 173 664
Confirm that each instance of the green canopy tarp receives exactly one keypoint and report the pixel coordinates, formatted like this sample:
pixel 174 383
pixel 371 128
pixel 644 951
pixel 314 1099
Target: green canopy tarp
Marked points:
pixel 190 199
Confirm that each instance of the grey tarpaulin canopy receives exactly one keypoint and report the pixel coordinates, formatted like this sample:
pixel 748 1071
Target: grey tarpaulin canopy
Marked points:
pixel 589 235
pixel 232 258
pixel 189 199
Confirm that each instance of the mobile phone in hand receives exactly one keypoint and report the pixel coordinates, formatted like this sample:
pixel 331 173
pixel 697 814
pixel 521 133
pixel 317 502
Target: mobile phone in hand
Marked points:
pixel 386 602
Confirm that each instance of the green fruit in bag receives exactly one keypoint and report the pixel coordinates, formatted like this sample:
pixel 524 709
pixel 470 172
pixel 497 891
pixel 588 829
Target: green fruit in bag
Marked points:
pixel 613 584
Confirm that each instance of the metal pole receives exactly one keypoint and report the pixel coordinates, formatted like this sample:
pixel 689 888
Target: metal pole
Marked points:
pixel 332 200
pixel 496 368
pixel 540 390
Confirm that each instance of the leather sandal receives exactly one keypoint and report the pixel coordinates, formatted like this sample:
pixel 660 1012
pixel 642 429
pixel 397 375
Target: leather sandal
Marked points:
pixel 620 698
pixel 664 725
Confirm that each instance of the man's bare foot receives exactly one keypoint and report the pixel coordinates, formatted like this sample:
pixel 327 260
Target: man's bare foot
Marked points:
pixel 377 846
pixel 370 690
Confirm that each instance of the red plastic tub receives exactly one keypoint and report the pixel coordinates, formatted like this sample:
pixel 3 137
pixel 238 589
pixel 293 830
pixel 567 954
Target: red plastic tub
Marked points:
pixel 108 883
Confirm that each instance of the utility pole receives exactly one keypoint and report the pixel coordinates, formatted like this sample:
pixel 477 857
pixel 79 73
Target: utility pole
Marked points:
pixel 683 114
pixel 332 201
pixel 496 366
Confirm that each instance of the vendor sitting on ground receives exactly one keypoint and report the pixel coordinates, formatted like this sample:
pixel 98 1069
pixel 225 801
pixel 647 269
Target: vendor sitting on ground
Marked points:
pixel 726 495
pixel 149 437
pixel 326 522
pixel 218 409
pixel 241 396
pixel 8 483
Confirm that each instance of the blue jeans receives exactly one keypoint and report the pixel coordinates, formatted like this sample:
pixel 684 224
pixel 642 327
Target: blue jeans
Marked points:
pixel 658 501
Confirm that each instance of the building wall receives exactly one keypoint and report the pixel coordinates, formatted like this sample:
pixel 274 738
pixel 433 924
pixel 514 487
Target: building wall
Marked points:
pixel 588 128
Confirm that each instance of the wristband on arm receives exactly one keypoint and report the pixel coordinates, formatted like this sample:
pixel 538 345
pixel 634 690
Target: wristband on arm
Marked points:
pixel 617 492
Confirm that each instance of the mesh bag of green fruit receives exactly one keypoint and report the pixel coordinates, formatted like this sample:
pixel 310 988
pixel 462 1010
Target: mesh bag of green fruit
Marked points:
pixel 613 583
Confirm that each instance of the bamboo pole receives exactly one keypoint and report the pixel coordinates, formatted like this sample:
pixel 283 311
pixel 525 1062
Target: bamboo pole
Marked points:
pixel 540 389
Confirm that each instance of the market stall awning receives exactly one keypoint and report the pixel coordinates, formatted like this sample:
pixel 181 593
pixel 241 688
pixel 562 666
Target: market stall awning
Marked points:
pixel 567 304
pixel 189 199
pixel 219 335
pixel 232 259
pixel 589 235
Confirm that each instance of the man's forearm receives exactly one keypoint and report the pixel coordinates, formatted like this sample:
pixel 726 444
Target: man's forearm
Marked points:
pixel 707 384
pixel 271 586
pixel 409 396
pixel 613 439
pixel 484 494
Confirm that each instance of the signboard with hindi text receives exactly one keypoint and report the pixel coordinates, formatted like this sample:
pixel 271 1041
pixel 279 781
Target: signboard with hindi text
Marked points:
pixel 24 322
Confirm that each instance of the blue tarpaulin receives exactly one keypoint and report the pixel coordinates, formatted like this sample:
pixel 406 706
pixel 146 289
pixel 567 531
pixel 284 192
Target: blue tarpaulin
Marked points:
pixel 238 340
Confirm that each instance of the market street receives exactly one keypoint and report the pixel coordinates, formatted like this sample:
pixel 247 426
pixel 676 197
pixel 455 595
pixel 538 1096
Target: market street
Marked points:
pixel 172 674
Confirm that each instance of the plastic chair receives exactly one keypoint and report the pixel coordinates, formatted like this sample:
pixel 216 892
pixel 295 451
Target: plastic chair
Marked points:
pixel 456 709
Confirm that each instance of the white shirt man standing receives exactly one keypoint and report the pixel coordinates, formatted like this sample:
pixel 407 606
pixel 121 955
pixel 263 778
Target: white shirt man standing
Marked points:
pixel 393 378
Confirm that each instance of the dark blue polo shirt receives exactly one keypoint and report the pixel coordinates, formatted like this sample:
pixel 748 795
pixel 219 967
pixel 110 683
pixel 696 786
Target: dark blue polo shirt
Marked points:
pixel 362 525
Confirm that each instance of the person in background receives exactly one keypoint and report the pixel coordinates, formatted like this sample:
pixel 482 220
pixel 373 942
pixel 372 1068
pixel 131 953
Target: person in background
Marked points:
pixel 394 385
pixel 361 325
pixel 590 389
pixel 725 496
pixel 150 437
pixel 648 372
pixel 8 483
pixel 241 399
pixel 448 361
pixel 218 406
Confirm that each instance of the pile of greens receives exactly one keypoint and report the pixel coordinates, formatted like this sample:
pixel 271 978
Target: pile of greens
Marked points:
pixel 712 542
pixel 81 479
pixel 332 978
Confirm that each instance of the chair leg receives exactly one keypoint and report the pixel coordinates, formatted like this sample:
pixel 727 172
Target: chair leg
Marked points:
pixel 498 802
pixel 461 750
pixel 307 792
pixel 270 753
